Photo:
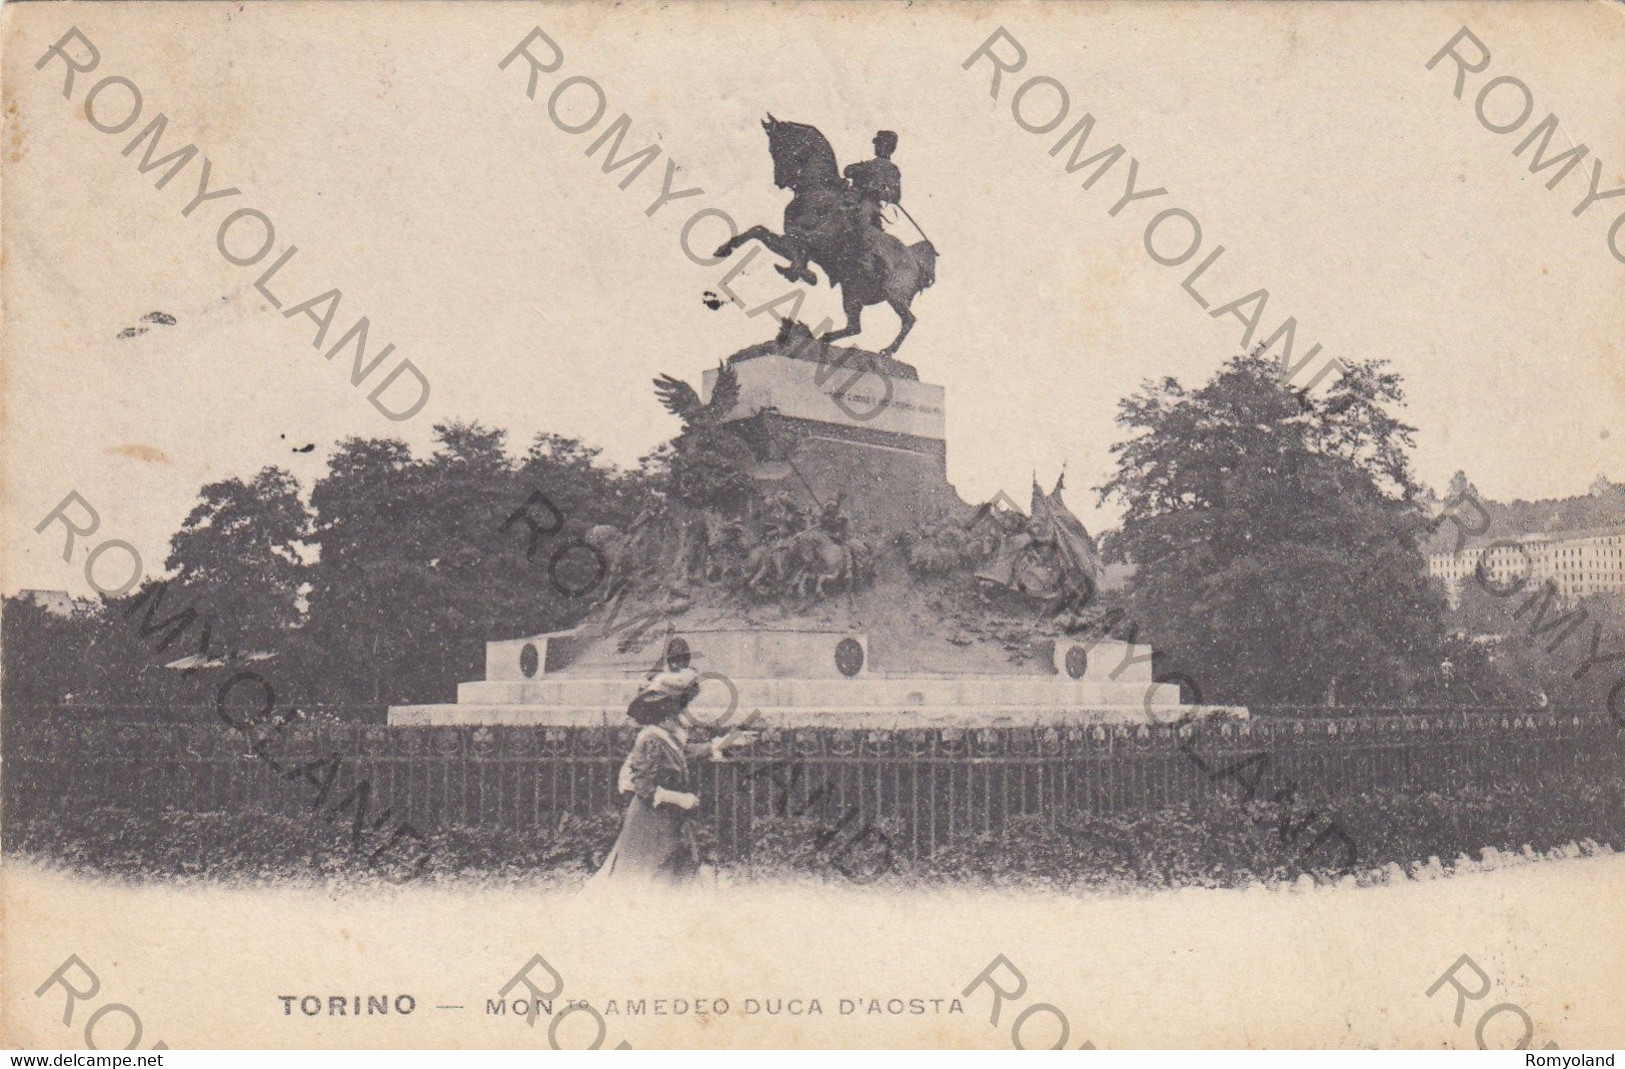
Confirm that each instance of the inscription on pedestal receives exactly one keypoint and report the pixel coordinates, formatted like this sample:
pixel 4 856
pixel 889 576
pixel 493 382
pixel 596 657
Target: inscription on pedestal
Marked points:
pixel 806 389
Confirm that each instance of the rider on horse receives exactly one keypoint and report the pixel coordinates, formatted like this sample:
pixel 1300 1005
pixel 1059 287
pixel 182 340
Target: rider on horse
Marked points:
pixel 869 188
pixel 877 182
pixel 836 222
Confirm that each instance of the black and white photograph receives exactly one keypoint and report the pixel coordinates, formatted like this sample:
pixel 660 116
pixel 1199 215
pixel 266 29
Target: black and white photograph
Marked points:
pixel 852 525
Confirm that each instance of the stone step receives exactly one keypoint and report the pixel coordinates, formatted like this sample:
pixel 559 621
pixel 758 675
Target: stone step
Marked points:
pixel 859 719
pixel 779 654
pixel 864 692
pixel 782 654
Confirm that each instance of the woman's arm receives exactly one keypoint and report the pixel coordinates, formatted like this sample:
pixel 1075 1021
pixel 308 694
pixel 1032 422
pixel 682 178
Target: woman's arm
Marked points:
pixel 650 767
pixel 703 749
pixel 717 749
pixel 656 775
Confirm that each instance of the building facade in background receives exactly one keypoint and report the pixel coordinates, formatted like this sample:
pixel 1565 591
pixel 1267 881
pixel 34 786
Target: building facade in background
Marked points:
pixel 1578 563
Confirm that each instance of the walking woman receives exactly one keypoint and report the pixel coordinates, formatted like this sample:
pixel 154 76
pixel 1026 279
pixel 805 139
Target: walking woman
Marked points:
pixel 656 844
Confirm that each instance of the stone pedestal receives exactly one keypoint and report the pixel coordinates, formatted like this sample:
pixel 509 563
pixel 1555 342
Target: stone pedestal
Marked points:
pixel 805 679
pixel 824 422
pixel 842 396
pixel 850 425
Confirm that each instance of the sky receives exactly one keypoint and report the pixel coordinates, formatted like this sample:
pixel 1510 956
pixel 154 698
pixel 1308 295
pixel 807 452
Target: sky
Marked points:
pixel 534 293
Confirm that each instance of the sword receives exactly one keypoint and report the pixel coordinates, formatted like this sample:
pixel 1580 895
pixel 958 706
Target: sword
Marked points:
pixel 918 227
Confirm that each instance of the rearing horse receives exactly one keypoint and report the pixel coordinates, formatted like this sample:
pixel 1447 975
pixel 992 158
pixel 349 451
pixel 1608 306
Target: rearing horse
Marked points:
pixel 824 224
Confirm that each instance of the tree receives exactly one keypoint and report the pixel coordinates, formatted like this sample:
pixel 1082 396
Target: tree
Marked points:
pixel 239 557
pixel 384 590
pixel 1277 537
pixel 1543 649
pixel 421 562
pixel 362 578
pixel 236 577
pixel 45 656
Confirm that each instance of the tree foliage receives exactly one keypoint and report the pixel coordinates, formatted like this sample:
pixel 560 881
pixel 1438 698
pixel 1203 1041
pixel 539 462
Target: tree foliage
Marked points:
pixel 1276 537
pixel 239 555
pixel 383 588
pixel 422 561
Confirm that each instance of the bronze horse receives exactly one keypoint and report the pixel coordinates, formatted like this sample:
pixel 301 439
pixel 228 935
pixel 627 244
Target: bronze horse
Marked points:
pixel 824 224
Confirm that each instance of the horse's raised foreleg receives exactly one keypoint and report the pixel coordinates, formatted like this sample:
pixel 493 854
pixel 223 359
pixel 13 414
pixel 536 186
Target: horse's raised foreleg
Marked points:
pixel 796 252
pixel 755 233
pixel 780 245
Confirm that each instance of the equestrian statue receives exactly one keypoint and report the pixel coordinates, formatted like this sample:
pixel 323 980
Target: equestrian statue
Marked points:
pixel 839 222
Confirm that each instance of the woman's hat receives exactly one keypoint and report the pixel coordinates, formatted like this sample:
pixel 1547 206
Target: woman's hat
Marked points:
pixel 673 683
pixel 650 707
pixel 664 695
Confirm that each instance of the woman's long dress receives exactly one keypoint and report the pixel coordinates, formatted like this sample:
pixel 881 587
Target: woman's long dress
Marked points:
pixel 654 844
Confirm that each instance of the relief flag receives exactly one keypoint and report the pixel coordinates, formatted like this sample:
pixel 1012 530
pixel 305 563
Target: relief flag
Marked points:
pixel 1053 523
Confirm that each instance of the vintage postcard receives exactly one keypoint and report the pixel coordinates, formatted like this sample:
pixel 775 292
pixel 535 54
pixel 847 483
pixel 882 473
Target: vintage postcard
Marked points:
pixel 1092 526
